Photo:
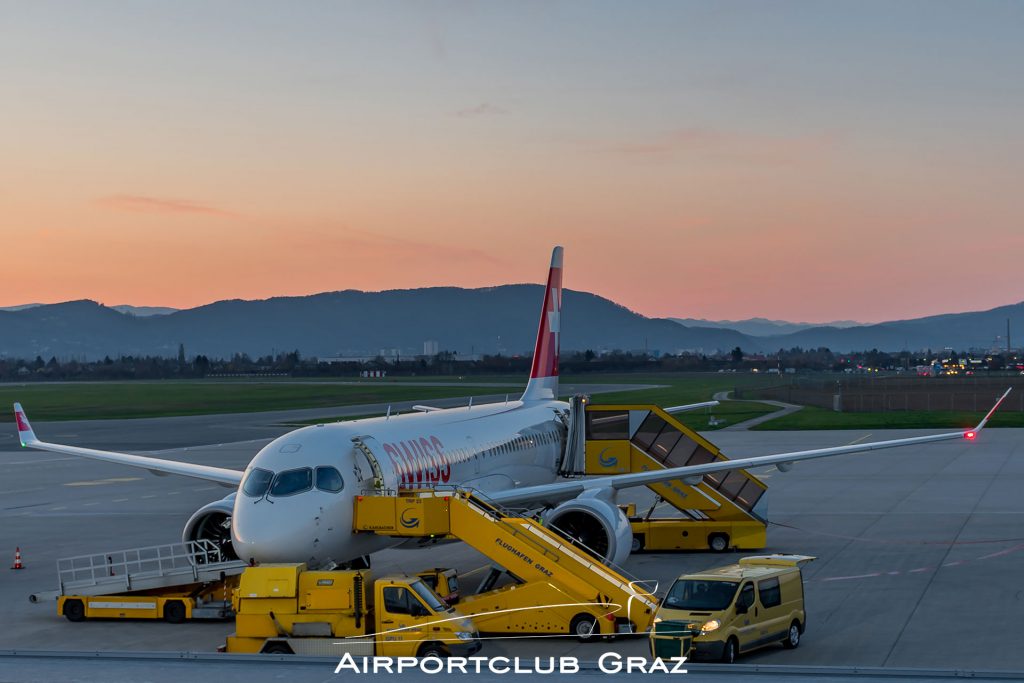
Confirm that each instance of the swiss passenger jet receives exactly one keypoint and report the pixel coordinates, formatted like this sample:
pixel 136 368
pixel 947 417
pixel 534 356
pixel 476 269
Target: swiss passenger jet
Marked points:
pixel 294 502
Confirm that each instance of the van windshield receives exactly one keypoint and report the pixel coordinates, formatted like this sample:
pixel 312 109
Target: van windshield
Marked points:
pixel 696 595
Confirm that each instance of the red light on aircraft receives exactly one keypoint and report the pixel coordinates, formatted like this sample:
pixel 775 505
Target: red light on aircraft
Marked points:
pixel 970 435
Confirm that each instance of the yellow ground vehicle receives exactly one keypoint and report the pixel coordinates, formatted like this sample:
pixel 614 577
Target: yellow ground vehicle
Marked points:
pixel 444 582
pixel 174 582
pixel 714 512
pixel 175 605
pixel 285 609
pixel 734 609
pixel 559 589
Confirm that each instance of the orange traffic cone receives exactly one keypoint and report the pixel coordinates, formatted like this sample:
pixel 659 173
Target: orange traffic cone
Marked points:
pixel 17 559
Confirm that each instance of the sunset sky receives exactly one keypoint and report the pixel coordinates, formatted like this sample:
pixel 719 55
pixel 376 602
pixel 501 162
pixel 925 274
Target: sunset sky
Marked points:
pixel 810 161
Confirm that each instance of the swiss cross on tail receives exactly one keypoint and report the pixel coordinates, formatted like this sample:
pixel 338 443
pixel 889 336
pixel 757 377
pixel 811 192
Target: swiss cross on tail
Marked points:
pixel 25 433
pixel 543 383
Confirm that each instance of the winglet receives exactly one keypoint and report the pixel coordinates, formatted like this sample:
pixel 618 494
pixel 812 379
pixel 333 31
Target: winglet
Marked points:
pixel 971 433
pixel 25 432
pixel 543 382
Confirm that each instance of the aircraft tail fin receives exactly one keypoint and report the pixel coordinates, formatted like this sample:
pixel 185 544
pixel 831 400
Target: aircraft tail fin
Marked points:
pixel 543 384
pixel 25 433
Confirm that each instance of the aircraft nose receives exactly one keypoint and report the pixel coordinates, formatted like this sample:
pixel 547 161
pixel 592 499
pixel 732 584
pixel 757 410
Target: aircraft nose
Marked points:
pixel 261 533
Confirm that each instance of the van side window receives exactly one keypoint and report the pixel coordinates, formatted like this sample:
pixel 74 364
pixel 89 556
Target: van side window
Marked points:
pixel 771 593
pixel 746 598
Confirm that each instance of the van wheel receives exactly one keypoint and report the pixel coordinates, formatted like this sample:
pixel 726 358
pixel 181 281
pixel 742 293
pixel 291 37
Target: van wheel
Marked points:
pixel 638 544
pixel 718 543
pixel 277 649
pixel 792 639
pixel 74 610
pixel 432 650
pixel 584 627
pixel 729 651
pixel 174 612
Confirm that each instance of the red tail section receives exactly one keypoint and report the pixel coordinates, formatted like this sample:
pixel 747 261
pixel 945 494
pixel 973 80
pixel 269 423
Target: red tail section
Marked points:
pixel 543 383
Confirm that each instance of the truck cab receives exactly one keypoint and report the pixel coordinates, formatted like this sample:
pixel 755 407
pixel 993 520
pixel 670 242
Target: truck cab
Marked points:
pixel 444 582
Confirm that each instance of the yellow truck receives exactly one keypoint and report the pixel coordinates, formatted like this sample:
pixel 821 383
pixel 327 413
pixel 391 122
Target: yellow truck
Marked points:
pixel 287 609
pixel 731 610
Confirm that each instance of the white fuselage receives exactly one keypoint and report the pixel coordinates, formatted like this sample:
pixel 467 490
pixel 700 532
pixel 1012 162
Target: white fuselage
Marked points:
pixel 489 448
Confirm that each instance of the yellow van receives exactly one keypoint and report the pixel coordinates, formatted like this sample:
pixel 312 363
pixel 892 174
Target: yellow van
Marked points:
pixel 735 609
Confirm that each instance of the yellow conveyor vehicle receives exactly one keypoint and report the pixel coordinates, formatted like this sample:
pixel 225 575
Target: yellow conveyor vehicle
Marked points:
pixel 716 511
pixel 559 589
pixel 175 582
pixel 287 609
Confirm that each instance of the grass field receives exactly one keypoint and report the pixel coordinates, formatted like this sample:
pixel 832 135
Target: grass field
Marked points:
pixel 819 418
pixel 683 388
pixel 108 400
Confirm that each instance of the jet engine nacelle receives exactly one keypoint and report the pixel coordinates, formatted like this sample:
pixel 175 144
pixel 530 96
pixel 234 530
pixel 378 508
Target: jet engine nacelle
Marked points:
pixel 212 522
pixel 595 522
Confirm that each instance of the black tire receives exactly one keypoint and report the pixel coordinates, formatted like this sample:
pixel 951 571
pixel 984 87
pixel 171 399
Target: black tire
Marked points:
pixel 74 610
pixel 730 651
pixel 638 543
pixel 718 543
pixel 432 650
pixel 584 627
pixel 277 649
pixel 174 612
pixel 792 639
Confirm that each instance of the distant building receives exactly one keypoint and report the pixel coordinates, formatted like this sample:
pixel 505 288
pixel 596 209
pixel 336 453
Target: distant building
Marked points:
pixel 430 348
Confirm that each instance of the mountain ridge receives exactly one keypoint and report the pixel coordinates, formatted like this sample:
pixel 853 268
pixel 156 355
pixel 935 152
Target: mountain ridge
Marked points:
pixel 489 320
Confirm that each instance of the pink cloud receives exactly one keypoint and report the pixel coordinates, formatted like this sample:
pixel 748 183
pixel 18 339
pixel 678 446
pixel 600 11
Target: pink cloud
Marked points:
pixel 483 109
pixel 143 204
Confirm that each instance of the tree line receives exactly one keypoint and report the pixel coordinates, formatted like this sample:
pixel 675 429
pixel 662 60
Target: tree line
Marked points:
pixel 293 364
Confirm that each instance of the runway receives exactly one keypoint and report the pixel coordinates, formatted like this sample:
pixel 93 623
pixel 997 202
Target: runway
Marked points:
pixel 920 549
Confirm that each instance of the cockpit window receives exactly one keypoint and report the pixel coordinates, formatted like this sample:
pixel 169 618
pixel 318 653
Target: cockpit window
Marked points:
pixel 257 483
pixel 291 482
pixel 329 479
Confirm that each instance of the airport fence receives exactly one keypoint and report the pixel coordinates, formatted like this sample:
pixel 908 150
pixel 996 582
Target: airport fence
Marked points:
pixel 888 394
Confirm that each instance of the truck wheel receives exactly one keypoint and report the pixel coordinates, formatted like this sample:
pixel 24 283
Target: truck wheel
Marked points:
pixel 718 543
pixel 729 651
pixel 432 650
pixel 638 543
pixel 277 649
pixel 174 612
pixel 584 627
pixel 792 640
pixel 74 610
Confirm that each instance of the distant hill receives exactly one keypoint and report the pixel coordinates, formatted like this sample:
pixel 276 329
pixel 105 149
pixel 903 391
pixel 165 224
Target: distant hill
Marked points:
pixel 762 327
pixel 143 311
pixel 22 307
pixel 978 329
pixel 352 323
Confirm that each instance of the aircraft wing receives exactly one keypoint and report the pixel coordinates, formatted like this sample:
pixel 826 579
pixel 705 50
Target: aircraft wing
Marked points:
pixel 552 494
pixel 157 466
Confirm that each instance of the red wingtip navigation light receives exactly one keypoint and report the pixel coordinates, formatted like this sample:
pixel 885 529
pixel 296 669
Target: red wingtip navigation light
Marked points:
pixel 970 435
